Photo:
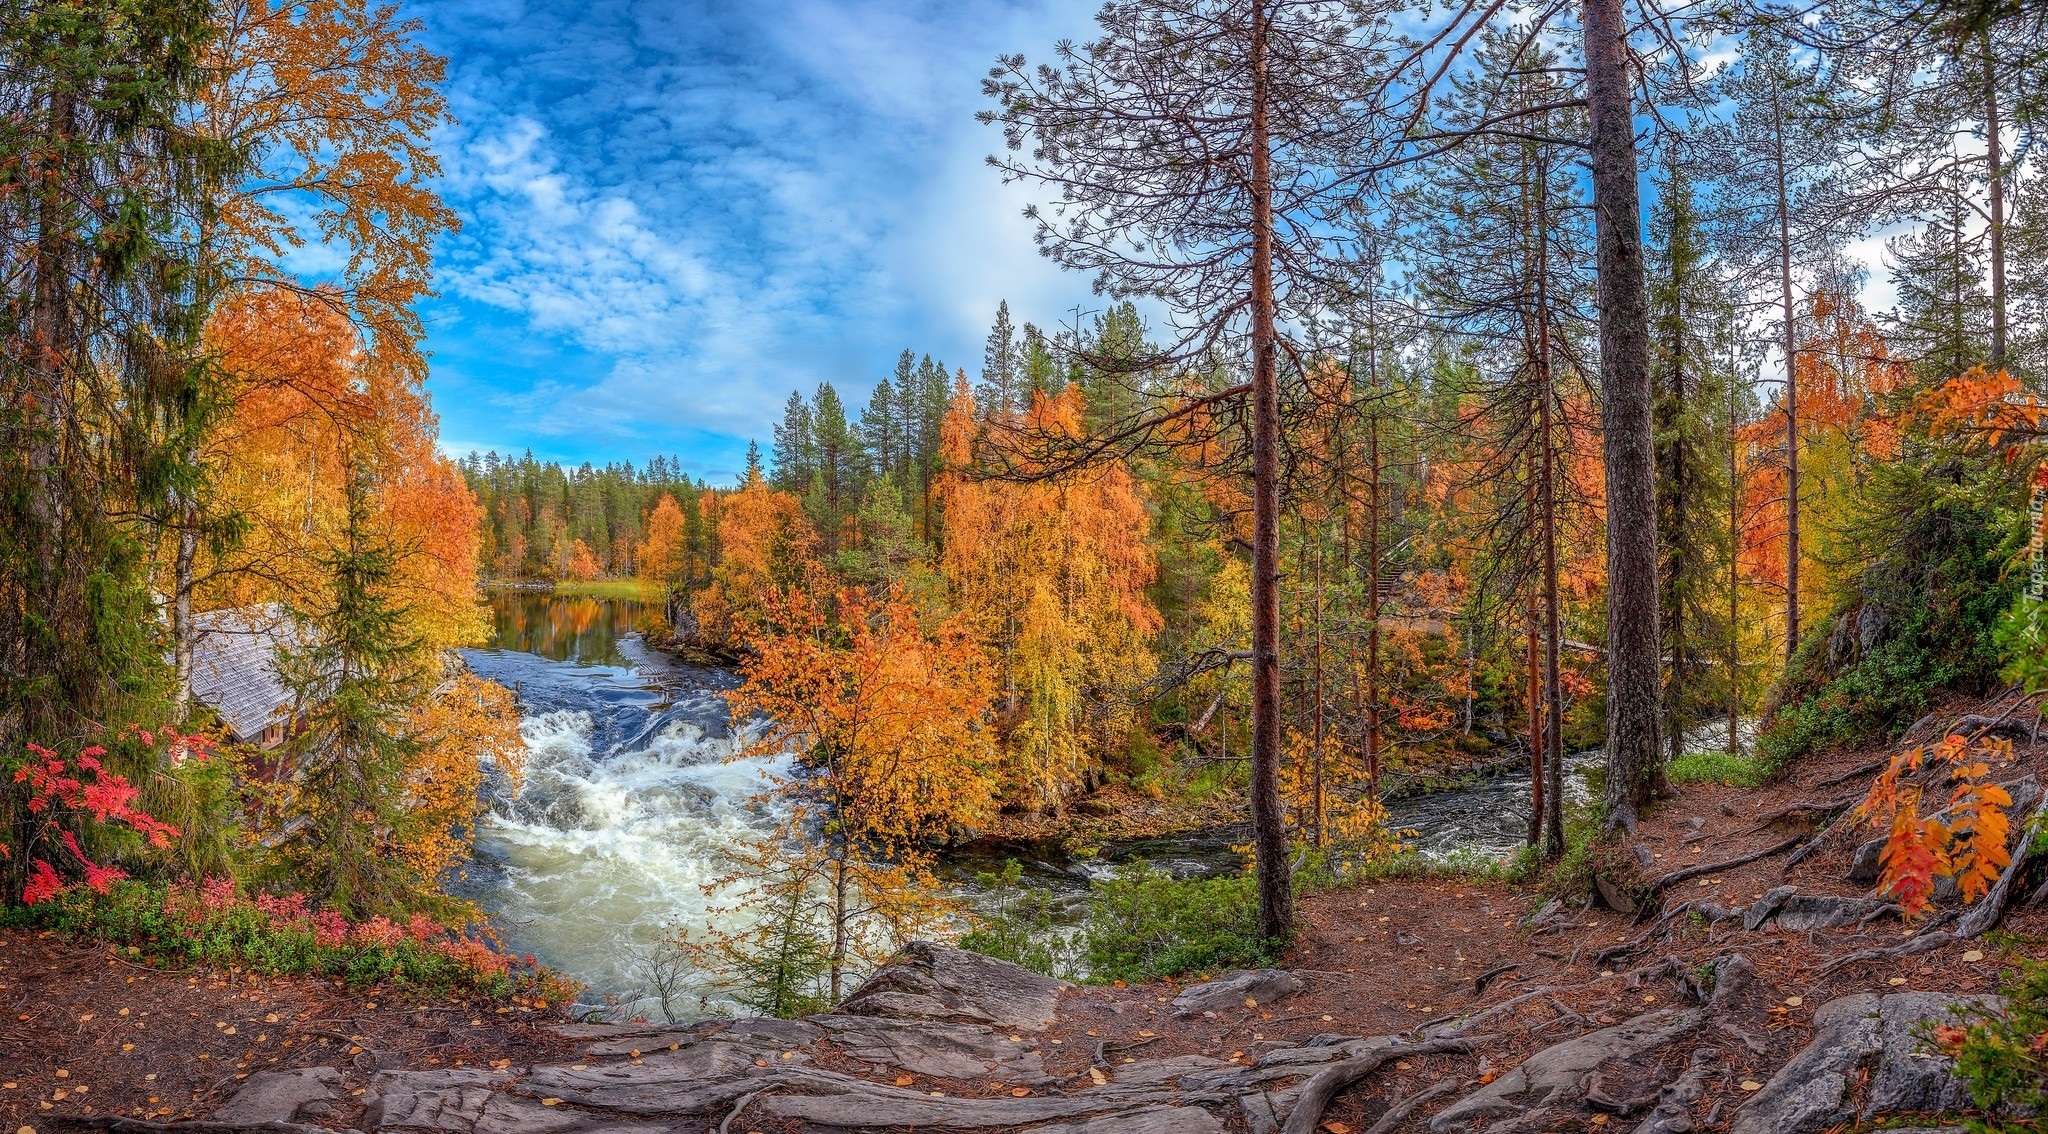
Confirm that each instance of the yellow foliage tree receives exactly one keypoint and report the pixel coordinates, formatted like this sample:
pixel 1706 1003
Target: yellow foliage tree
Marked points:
pixel 889 719
pixel 583 565
pixel 1053 573
pixel 470 722
pixel 661 552
pixel 765 544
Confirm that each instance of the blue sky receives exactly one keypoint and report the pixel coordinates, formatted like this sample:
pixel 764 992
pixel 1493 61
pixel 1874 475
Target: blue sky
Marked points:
pixel 676 212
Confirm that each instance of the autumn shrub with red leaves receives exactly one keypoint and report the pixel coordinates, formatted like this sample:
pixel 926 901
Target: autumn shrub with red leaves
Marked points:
pixel 212 923
pixel 69 795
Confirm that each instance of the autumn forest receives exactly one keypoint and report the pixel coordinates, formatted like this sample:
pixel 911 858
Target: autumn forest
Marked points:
pixel 1614 395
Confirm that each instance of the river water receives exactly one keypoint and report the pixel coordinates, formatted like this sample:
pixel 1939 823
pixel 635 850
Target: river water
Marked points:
pixel 631 797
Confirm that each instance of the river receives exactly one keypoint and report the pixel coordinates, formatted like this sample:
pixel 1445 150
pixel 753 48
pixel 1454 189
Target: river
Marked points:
pixel 631 797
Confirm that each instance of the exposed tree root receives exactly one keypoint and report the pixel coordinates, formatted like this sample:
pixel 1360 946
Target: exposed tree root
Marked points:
pixel 1859 770
pixel 1322 1089
pixel 1823 807
pixel 1399 1112
pixel 725 1127
pixel 1678 876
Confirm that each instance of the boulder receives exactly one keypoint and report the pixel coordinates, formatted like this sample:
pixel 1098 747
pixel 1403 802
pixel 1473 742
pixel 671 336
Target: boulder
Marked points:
pixel 279 1096
pixel 1801 912
pixel 943 1051
pixel 938 982
pixel 1557 1074
pixel 1234 989
pixel 1760 911
pixel 1855 1036
pixel 1867 864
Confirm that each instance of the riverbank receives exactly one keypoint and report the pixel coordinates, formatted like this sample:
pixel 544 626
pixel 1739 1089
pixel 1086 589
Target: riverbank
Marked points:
pixel 1504 976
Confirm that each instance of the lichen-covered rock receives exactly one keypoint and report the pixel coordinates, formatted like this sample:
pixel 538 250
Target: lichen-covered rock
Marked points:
pixel 280 1096
pixel 1557 1074
pixel 1852 1036
pixel 1234 989
pixel 1802 912
pixel 938 982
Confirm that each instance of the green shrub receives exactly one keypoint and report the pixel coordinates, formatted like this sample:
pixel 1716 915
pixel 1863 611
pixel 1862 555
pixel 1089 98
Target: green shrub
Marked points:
pixel 1018 924
pixel 1716 768
pixel 2003 1057
pixel 1920 618
pixel 1144 924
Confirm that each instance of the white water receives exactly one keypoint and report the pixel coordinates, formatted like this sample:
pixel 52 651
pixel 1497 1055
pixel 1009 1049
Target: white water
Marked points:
pixel 630 802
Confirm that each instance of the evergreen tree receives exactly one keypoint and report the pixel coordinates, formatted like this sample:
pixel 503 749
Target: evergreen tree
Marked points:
pixel 354 679
pixel 793 456
pixel 1001 367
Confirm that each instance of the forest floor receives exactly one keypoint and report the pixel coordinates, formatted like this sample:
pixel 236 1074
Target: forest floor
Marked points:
pixel 85 1034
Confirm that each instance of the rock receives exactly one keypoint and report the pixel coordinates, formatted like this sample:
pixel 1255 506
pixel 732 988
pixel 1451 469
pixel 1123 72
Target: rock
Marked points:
pixel 1147 1072
pixel 278 1096
pixel 1910 1076
pixel 1673 1112
pixel 1853 1036
pixel 1613 896
pixel 938 982
pixel 1801 912
pixel 431 1100
pixel 1761 910
pixel 1867 864
pixel 943 1051
pixel 1232 989
pixel 1557 1074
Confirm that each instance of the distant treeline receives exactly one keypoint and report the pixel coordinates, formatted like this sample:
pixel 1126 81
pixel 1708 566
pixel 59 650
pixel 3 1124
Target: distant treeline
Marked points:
pixel 544 520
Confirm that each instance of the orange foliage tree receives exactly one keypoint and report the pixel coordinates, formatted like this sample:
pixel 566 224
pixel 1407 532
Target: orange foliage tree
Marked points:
pixel 1965 840
pixel 661 552
pixel 765 544
pixel 1053 573
pixel 887 718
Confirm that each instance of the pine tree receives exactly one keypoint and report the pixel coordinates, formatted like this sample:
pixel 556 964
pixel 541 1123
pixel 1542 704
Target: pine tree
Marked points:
pixel 1001 367
pixel 793 458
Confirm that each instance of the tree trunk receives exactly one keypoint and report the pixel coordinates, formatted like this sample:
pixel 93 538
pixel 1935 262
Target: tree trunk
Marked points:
pixel 181 614
pixel 1269 830
pixel 1553 717
pixel 1634 771
pixel 1994 174
pixel 1791 383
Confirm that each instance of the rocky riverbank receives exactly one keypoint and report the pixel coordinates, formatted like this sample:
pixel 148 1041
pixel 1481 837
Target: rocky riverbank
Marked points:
pixel 1762 989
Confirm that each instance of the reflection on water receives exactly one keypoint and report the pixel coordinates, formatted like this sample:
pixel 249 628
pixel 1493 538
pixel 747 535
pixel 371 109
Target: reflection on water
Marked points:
pixel 565 628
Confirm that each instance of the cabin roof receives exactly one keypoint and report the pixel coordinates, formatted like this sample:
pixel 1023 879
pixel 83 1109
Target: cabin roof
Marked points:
pixel 234 667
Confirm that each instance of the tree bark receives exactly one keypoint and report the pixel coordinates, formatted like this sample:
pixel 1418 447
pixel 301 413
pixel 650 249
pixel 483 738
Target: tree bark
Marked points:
pixel 181 614
pixel 1553 636
pixel 1994 174
pixel 1269 829
pixel 1634 770
pixel 1791 381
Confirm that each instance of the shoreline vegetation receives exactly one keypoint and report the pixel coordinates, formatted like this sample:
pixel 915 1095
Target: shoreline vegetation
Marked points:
pixel 1448 446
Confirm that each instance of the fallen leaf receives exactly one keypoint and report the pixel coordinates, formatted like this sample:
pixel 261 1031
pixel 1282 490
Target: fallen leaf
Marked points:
pixel 1896 981
pixel 1972 955
pixel 904 1080
pixel 1020 1092
pixel 1486 1078
pixel 551 1102
pixel 1251 1002
pixel 1146 1035
pixel 1095 1073
pixel 1403 1066
pixel 1336 1127
pixel 228 1032
pixel 1752 1085
pixel 1794 1001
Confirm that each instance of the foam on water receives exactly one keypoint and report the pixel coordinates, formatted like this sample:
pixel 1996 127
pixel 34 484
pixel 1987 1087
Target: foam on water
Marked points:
pixel 630 802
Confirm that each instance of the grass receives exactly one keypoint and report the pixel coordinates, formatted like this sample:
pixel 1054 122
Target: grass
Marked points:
pixel 1718 768
pixel 632 589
